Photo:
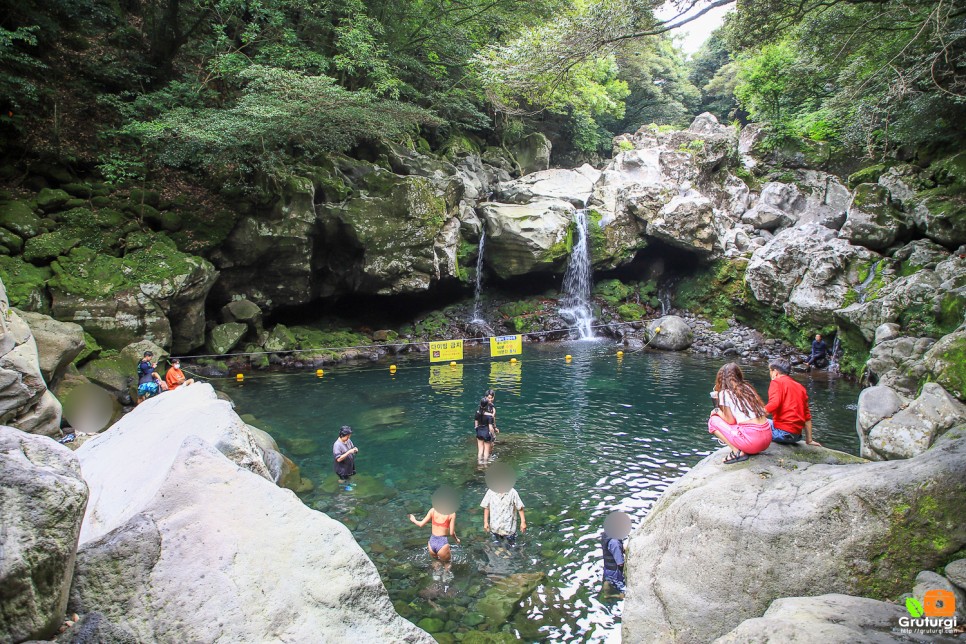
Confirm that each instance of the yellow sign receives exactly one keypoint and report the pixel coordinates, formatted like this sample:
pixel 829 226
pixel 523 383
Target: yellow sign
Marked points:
pixel 446 350
pixel 447 379
pixel 506 345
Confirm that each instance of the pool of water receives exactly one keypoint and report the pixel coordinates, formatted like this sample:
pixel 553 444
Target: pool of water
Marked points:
pixel 585 438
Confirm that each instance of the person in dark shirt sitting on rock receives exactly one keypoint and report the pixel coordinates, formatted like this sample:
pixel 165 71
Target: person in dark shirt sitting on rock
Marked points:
pixel 819 352
pixel 149 382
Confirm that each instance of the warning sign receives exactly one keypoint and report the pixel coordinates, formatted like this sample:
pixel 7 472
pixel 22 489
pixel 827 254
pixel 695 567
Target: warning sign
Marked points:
pixel 446 350
pixel 506 345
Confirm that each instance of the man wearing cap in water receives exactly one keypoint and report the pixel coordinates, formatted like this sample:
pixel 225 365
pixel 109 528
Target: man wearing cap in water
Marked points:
pixel 344 453
pixel 175 376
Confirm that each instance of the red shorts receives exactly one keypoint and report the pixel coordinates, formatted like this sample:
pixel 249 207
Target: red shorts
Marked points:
pixel 750 438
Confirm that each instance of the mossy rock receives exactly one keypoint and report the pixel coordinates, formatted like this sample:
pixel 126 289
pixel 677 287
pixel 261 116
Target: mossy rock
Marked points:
pixel 459 145
pixel 631 311
pixel 147 196
pixel 225 337
pixel 47 247
pixel 202 231
pixel 947 363
pixel 51 199
pixel 96 229
pixel 18 217
pixel 10 241
pixel 90 351
pixel 431 624
pixel 77 189
pixel 612 291
pixel 280 339
pixel 870 174
pixel 25 284
pixel 113 373
pixel 951 171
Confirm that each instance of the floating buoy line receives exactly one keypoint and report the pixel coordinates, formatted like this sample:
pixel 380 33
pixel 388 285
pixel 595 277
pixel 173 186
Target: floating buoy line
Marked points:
pixel 393 368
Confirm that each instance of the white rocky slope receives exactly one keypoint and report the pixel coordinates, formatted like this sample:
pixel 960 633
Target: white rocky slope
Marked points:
pixel 187 539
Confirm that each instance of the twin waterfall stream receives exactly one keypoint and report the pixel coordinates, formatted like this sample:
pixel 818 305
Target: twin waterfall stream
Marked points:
pixel 578 280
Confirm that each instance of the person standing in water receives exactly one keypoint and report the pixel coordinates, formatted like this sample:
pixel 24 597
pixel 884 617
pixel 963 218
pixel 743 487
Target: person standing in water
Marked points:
pixel 617 526
pixel 739 420
pixel 485 428
pixel 443 518
pixel 344 454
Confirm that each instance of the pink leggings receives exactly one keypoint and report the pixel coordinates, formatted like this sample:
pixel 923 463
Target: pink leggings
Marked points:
pixel 750 438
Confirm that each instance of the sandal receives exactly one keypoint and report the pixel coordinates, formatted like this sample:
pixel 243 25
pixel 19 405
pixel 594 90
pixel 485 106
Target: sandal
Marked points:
pixel 735 457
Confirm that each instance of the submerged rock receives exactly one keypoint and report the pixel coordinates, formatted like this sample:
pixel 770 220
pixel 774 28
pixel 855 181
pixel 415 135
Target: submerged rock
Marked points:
pixel 42 496
pixel 792 521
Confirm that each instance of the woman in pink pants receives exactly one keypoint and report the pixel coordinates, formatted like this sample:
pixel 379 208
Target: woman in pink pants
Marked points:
pixel 739 420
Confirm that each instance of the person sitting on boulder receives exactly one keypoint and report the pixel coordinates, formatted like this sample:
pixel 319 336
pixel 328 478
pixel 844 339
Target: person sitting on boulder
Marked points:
pixel 788 406
pixel 819 352
pixel 739 420
pixel 149 382
pixel 175 376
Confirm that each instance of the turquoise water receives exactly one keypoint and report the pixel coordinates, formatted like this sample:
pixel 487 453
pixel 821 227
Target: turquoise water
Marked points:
pixel 585 438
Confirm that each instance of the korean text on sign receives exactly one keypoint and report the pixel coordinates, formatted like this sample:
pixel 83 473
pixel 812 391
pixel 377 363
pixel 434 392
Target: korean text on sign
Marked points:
pixel 446 350
pixel 506 345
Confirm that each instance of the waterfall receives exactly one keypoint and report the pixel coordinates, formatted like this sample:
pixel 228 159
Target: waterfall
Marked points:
pixel 664 297
pixel 833 362
pixel 862 288
pixel 479 278
pixel 575 304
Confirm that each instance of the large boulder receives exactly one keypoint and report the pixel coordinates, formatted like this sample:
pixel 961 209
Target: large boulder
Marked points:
pixel 779 206
pixel 670 333
pixel 202 545
pixel 269 258
pixel 225 337
pixel 898 363
pixel 913 430
pixel 829 619
pixel 42 496
pixel 399 235
pixel 566 185
pixel 873 219
pixel 126 464
pixel 792 521
pixel 25 402
pixel 532 153
pixel 946 362
pixel 927 302
pixel 808 272
pixel 875 405
pixel 528 238
pixel 58 343
pixel 686 222
pixel 156 292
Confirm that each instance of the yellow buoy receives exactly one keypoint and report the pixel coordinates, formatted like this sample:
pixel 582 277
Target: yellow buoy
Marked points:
pixel 240 377
pixel 512 360
pixel 657 330
pixel 620 354
pixel 568 357
pixel 392 368
pixel 319 372
pixel 452 364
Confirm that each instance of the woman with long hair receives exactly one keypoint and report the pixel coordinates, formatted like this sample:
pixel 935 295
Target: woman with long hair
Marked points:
pixel 739 419
pixel 485 427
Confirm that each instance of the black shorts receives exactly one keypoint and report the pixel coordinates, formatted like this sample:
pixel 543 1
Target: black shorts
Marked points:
pixel 484 434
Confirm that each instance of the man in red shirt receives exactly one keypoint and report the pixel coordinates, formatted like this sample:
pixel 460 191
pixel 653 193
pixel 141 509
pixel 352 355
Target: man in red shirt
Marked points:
pixel 788 406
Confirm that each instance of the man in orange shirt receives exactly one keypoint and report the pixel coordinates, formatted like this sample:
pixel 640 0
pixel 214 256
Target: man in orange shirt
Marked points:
pixel 175 376
pixel 788 406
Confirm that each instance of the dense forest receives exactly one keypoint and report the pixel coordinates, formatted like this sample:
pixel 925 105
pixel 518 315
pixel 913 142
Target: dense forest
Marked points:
pixel 229 89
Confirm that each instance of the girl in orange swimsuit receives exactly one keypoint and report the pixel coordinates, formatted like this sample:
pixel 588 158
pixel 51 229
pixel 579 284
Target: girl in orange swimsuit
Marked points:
pixel 444 526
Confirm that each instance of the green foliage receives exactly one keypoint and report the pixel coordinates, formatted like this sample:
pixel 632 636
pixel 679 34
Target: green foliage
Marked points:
pixel 279 112
pixel 867 76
